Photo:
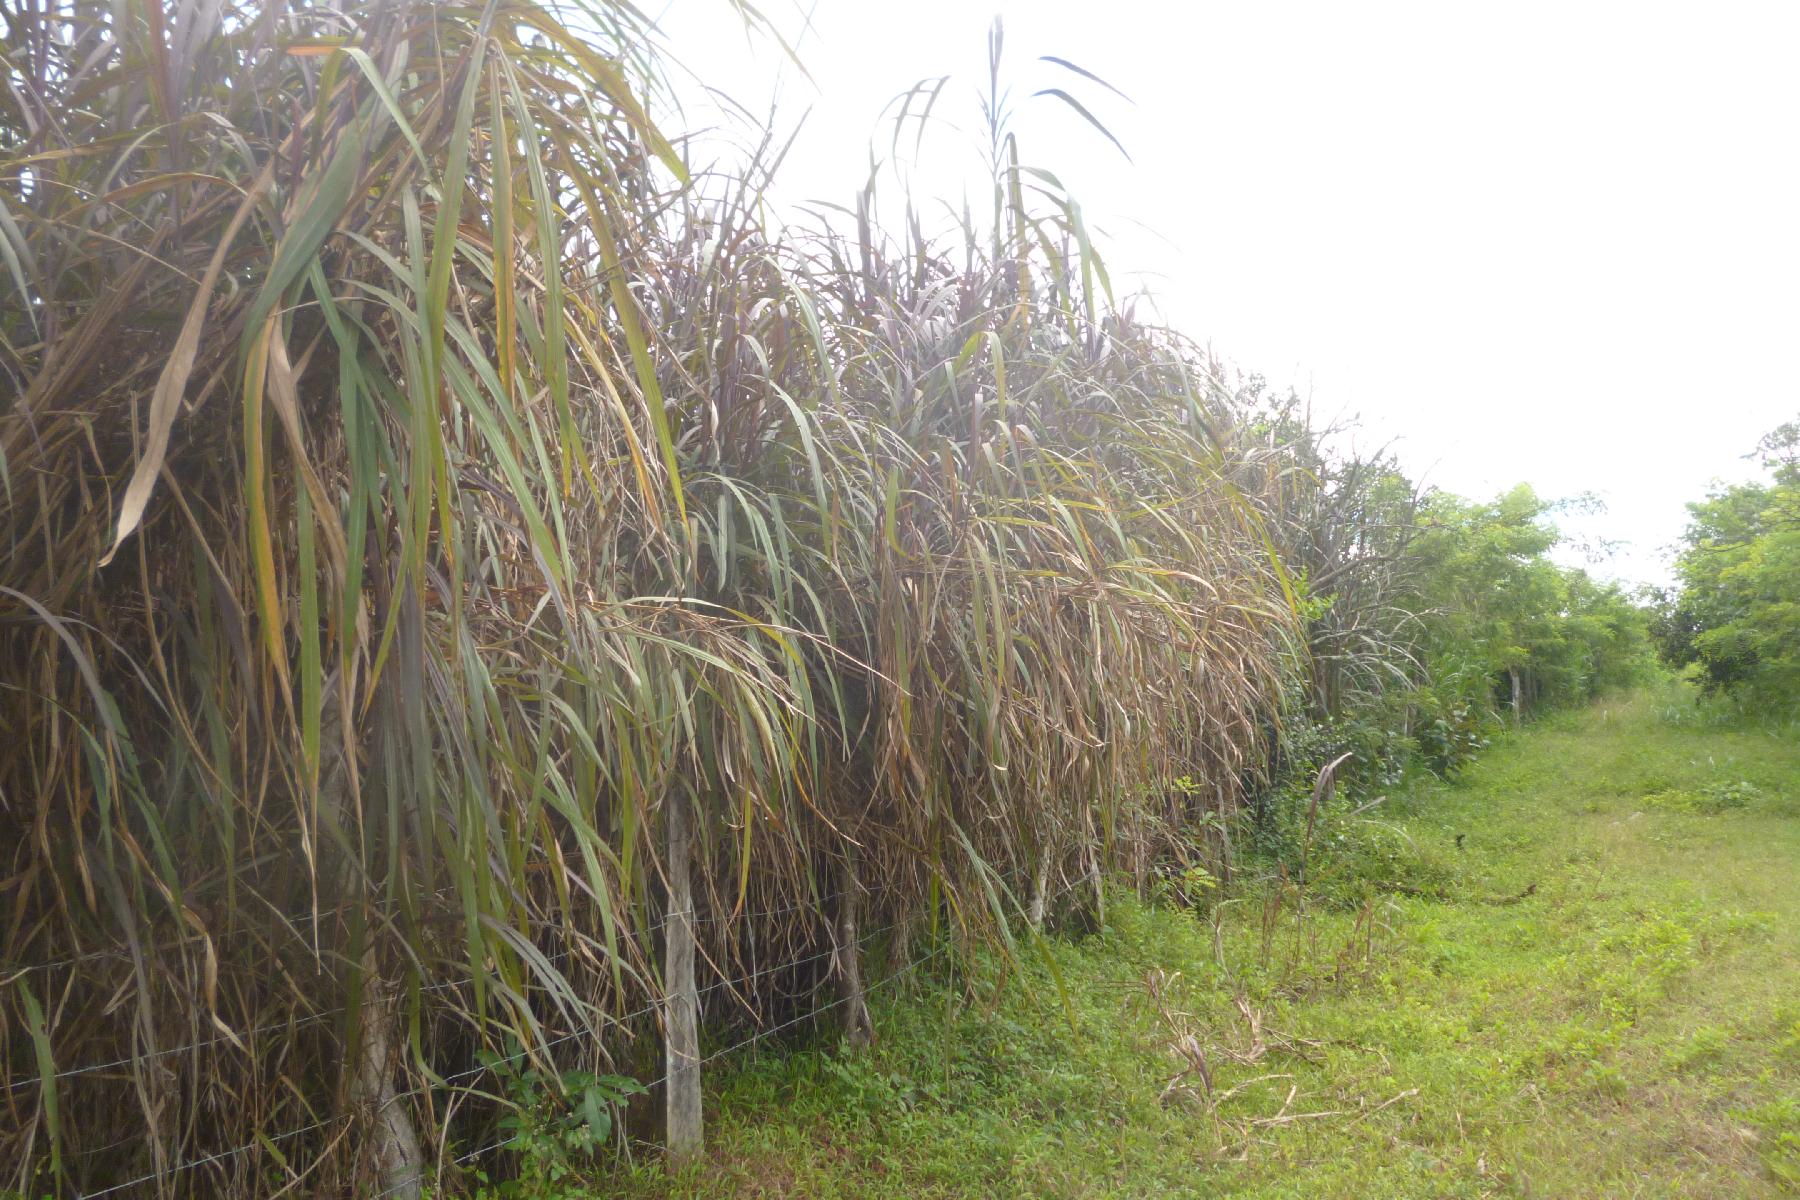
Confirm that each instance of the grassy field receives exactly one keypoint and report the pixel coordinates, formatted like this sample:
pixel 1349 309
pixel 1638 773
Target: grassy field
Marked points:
pixel 1574 971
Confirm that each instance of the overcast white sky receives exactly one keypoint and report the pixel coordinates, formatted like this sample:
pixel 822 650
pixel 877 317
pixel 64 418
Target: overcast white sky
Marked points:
pixel 1550 242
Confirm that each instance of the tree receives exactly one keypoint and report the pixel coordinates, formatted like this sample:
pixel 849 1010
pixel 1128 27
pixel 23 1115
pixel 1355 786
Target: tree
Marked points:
pixel 1736 614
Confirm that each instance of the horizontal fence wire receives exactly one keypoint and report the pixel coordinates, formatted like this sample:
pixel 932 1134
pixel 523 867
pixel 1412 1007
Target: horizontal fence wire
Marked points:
pixel 811 1014
pixel 315 1018
pixel 209 1159
pixel 9 971
pixel 17 970
pixel 450 1080
pixel 654 1006
pixel 914 965
pixel 233 1038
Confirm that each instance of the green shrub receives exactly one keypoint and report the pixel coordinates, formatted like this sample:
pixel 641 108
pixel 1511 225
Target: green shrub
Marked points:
pixel 557 1122
pixel 1777 1126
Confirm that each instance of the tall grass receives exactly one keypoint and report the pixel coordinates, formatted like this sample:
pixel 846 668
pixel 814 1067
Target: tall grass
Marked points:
pixel 414 479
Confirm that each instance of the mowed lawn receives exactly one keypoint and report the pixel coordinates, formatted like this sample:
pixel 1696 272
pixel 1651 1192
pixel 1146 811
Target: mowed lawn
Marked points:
pixel 1572 972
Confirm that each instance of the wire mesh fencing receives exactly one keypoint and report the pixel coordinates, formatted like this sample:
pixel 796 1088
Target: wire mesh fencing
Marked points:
pixel 288 1156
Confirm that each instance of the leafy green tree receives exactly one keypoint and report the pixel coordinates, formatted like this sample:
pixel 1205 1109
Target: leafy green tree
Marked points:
pixel 1425 616
pixel 1736 614
pixel 1486 591
pixel 1504 625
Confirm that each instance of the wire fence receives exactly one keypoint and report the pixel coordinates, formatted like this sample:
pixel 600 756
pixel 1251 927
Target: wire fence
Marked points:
pixel 244 1039
pixel 761 1035
pixel 164 1174
pixel 298 919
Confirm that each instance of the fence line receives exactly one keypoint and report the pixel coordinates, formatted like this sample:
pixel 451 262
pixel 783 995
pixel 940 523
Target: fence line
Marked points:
pixel 823 1008
pixel 208 1159
pixel 12 971
pixel 316 1018
pixel 753 1039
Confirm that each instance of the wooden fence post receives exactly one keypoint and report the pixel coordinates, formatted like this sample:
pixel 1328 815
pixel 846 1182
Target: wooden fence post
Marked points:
pixel 858 1028
pixel 393 1144
pixel 1098 883
pixel 681 1001
pixel 392 1148
pixel 1040 890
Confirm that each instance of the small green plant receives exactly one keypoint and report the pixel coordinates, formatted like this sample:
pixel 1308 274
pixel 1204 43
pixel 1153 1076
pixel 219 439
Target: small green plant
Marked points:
pixel 1719 797
pixel 557 1121
pixel 1777 1126
pixel 1186 881
pixel 1789 1045
pixel 868 1088
pixel 1358 858
pixel 1608 1081
pixel 1709 799
pixel 1451 735
pixel 1184 887
pixel 1700 1048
